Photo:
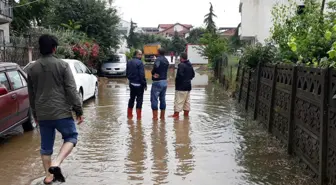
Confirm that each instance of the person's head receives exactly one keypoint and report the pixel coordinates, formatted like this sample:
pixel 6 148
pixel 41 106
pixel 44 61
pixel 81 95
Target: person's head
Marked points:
pixel 48 44
pixel 161 51
pixel 137 54
pixel 183 57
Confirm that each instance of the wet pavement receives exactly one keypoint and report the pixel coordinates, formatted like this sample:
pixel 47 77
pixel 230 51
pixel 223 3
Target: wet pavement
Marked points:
pixel 214 146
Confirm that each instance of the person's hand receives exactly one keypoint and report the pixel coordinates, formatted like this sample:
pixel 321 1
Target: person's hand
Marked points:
pixel 80 120
pixel 156 75
pixel 36 122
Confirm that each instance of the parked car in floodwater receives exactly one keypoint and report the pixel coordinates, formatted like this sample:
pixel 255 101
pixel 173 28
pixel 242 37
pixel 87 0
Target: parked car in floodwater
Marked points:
pixel 115 66
pixel 14 99
pixel 86 80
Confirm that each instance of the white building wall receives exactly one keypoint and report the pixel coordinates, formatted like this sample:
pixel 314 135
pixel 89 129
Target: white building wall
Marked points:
pixel 256 19
pixel 5 28
pixel 178 28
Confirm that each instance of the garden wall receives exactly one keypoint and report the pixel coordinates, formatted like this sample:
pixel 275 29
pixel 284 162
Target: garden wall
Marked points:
pixel 295 104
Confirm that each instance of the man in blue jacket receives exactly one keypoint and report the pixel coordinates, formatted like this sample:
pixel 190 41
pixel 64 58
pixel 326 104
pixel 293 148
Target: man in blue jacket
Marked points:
pixel 137 82
pixel 185 73
pixel 159 86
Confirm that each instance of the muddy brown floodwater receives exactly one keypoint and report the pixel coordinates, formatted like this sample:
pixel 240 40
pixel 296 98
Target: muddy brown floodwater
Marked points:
pixel 216 145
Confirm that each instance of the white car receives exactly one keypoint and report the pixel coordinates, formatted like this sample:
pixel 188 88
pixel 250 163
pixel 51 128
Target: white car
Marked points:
pixel 86 81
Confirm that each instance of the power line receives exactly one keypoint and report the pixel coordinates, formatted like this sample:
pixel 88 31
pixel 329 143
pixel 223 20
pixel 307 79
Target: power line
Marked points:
pixel 20 5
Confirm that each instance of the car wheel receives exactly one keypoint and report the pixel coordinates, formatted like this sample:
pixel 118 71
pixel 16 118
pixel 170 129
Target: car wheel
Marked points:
pixel 96 91
pixel 30 124
pixel 81 96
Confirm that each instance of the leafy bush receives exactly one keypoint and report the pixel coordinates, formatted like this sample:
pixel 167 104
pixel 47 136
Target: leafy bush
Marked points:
pixel 130 53
pixel 301 37
pixel 72 44
pixel 258 53
pixel 213 47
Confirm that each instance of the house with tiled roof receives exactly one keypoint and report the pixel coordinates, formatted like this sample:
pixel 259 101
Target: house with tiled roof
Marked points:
pixel 168 30
pixel 227 31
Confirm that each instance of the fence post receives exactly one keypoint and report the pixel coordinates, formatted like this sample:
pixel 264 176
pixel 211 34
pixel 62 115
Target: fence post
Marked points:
pixel 248 90
pixel 256 99
pixel 238 71
pixel 324 128
pixel 291 112
pixel 270 113
pixel 241 85
pixel 4 51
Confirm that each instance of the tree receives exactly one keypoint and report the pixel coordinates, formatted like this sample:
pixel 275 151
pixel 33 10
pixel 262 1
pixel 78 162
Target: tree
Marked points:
pixel 209 20
pixel 28 15
pixel 133 38
pixel 96 20
pixel 213 47
pixel 72 25
pixel 195 35
pixel 178 44
pixel 235 40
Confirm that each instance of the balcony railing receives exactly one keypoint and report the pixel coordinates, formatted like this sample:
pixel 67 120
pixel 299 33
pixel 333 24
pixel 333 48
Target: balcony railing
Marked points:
pixel 6 9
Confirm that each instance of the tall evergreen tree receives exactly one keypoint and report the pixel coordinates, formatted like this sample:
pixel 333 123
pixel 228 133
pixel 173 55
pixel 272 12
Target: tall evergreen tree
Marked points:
pixel 209 20
pixel 133 38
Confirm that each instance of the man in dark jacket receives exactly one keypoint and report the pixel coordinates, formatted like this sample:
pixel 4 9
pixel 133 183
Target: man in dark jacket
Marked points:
pixel 53 95
pixel 185 73
pixel 135 72
pixel 159 86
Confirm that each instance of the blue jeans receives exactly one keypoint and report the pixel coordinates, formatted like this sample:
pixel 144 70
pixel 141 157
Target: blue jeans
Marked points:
pixel 158 91
pixel 48 129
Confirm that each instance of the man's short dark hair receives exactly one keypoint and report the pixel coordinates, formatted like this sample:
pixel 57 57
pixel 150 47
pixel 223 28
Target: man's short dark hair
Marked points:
pixel 162 51
pixel 184 56
pixel 47 44
pixel 137 51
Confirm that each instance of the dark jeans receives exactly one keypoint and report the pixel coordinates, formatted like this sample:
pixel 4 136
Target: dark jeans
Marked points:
pixel 136 93
pixel 158 91
pixel 66 127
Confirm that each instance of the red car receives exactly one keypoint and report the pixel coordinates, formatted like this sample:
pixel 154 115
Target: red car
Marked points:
pixel 14 99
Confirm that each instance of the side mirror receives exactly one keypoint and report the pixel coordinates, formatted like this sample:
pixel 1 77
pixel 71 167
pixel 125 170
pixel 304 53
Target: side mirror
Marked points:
pixel 3 90
pixel 94 71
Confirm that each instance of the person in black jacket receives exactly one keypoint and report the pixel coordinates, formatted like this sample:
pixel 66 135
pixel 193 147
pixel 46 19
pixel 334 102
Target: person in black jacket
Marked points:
pixel 159 86
pixel 135 72
pixel 185 73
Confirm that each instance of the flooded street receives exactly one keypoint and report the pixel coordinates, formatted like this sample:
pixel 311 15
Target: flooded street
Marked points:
pixel 215 146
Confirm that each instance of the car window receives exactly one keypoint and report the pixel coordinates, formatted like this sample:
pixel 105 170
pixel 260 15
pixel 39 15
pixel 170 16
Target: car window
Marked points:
pixel 15 79
pixel 78 68
pixel 4 81
pixel 85 69
pixel 24 81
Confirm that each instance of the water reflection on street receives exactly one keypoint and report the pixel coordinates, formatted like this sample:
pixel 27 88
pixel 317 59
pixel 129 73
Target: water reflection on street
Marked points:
pixel 214 146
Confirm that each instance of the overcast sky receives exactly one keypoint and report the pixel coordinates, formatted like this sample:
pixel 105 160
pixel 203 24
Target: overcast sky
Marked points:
pixel 150 13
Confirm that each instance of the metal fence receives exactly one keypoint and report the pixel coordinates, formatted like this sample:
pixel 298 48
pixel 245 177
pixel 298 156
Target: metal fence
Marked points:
pixel 296 105
pixel 224 72
pixel 18 51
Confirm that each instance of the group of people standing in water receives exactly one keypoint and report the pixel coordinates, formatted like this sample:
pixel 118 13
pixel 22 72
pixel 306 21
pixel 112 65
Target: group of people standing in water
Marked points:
pixel 136 75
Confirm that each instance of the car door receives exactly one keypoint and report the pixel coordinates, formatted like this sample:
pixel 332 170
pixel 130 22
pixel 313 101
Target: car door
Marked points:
pixel 88 76
pixel 8 105
pixel 82 79
pixel 19 84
